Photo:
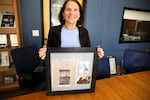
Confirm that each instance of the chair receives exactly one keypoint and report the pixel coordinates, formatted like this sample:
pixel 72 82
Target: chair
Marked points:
pixel 135 61
pixel 26 60
pixel 103 68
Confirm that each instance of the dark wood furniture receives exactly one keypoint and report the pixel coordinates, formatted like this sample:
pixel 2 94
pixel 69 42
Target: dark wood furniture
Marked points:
pixel 8 72
pixel 14 39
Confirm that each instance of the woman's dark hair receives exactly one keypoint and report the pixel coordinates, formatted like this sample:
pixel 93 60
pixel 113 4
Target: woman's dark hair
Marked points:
pixel 81 19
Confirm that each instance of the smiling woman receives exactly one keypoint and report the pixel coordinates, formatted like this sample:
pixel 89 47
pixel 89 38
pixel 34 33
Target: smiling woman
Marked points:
pixel 51 9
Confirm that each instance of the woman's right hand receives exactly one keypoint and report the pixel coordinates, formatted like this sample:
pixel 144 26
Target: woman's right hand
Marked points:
pixel 42 52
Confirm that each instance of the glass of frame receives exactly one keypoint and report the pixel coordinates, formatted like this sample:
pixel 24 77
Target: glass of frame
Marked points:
pixel 70 70
pixel 135 26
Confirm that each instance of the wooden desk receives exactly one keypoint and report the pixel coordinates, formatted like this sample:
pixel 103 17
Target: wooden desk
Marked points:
pixel 134 86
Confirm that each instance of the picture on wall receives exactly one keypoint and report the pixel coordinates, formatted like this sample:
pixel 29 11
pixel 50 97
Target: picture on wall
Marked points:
pixel 51 9
pixel 56 6
pixel 135 25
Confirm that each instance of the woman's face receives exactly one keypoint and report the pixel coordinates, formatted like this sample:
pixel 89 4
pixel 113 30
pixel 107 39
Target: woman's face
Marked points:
pixel 71 13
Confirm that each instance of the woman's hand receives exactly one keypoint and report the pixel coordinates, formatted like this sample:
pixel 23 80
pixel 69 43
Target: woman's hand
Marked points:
pixel 42 52
pixel 100 52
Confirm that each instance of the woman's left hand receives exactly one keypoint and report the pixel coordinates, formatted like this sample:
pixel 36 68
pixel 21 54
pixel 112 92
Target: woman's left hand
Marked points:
pixel 100 52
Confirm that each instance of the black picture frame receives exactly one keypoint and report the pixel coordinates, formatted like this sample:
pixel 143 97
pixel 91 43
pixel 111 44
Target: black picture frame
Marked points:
pixel 135 25
pixel 70 70
pixel 8 20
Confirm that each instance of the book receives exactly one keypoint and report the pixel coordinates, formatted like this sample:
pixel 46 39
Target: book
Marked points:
pixel 4 58
pixel 8 20
pixel 3 40
pixel 1 15
pixel 13 39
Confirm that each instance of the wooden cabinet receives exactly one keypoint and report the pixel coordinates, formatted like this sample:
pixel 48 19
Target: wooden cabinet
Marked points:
pixel 8 79
pixel 11 7
pixel 10 38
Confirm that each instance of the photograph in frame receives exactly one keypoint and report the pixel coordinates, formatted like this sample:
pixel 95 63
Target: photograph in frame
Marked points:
pixel 70 70
pixel 112 62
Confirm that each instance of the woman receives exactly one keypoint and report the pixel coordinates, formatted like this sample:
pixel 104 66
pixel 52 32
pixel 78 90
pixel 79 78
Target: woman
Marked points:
pixel 70 33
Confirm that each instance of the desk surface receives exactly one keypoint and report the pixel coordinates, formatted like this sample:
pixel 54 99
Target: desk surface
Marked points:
pixel 134 86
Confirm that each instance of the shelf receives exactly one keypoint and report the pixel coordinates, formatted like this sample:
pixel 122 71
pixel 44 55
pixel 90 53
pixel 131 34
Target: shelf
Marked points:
pixel 6 6
pixel 7 71
pixel 7 30
pixel 8 75
pixel 7 48
pixel 9 87
pixel 6 2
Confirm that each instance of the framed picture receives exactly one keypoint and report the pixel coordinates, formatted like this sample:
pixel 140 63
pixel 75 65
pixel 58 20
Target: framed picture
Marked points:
pixel 9 79
pixel 51 9
pixel 8 20
pixel 3 40
pixel 112 62
pixel 4 58
pixel 70 70
pixel 56 6
pixel 135 26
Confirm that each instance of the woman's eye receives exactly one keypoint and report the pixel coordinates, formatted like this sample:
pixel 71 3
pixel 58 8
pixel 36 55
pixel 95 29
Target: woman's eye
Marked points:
pixel 68 9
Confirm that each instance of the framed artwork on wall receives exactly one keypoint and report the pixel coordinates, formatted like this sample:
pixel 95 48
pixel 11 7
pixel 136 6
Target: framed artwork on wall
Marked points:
pixel 51 9
pixel 70 70
pixel 135 25
pixel 55 8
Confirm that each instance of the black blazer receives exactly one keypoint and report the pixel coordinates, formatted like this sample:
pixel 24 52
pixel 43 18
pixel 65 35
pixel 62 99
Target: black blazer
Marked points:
pixel 54 37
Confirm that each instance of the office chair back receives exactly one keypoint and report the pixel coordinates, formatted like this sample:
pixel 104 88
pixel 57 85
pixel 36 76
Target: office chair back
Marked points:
pixel 135 60
pixel 25 59
pixel 103 68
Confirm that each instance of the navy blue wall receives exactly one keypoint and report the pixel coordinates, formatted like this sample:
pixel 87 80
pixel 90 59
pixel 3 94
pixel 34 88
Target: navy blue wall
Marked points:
pixel 31 20
pixel 103 21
